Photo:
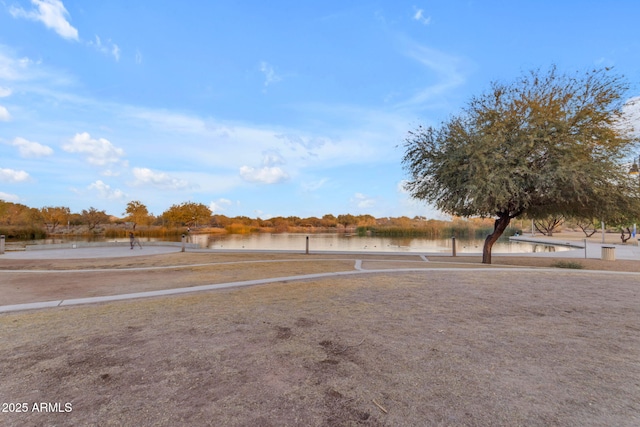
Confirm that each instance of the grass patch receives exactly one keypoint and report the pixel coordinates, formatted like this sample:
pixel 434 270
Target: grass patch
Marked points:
pixel 568 264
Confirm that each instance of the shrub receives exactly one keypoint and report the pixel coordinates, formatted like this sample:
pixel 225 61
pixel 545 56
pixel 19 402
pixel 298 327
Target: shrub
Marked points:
pixel 567 264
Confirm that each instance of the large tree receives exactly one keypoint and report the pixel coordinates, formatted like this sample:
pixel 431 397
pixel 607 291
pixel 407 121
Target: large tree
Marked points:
pixel 52 216
pixel 94 217
pixel 189 214
pixel 546 144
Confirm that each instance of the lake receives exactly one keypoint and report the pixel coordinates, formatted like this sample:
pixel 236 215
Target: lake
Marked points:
pixel 354 243
pixel 318 242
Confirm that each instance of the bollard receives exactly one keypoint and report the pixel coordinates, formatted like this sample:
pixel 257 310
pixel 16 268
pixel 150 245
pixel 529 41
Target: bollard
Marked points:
pixel 1 244
pixel 183 240
pixel 307 251
pixel 453 245
pixel 585 248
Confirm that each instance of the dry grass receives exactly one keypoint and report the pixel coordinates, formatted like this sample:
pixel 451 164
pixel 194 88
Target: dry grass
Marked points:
pixel 487 348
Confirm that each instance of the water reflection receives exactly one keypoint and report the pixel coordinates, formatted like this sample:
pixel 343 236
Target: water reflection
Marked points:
pixel 353 243
pixel 330 242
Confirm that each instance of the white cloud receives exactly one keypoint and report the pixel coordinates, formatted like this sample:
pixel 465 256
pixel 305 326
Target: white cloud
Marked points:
pixel 419 16
pixel 220 205
pixel 29 149
pixel 270 75
pixel 630 119
pixel 11 175
pixel 52 14
pixel 270 173
pixel 107 48
pixel 8 197
pixel 313 185
pixel 4 114
pixel 16 69
pixel 138 57
pixel 4 92
pixel 265 175
pixel 106 192
pixel 99 152
pixel 145 176
pixel 363 201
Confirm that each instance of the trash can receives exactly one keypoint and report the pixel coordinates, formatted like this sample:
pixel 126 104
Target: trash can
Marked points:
pixel 608 253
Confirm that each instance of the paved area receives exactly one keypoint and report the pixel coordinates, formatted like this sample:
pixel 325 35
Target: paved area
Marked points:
pixel 91 252
pixel 593 250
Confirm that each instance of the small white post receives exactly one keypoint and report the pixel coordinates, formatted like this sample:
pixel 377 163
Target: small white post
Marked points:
pixel 183 241
pixel 453 245
pixel 1 244
pixel 307 250
pixel 602 223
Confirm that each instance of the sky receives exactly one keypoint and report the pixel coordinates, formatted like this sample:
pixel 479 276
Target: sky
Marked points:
pixel 263 109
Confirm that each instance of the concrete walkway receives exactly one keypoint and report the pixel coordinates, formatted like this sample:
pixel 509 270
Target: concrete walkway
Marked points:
pixel 90 252
pixel 593 249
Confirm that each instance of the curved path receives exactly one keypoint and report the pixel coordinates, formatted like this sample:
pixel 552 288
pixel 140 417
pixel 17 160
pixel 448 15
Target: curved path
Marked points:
pixel 358 269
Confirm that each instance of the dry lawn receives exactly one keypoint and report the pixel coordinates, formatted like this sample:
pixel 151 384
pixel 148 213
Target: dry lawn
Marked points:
pixel 437 347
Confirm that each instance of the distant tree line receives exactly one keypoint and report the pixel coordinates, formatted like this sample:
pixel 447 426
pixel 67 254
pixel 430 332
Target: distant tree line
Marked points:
pixel 22 222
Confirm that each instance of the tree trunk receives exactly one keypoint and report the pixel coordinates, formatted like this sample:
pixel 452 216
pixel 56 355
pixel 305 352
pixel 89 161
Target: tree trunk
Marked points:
pixel 499 226
pixel 622 235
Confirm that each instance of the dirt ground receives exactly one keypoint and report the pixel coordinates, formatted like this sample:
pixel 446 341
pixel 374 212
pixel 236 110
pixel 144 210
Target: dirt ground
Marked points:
pixel 435 347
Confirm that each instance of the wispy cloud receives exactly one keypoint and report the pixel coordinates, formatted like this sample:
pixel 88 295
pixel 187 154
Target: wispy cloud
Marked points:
pixel 4 114
pixel 363 201
pixel 55 16
pixel 270 75
pixel 421 18
pixel 11 175
pixel 106 192
pixel 8 197
pixel 220 205
pixel 269 173
pixel 107 48
pixel 52 14
pixel 30 149
pixel 162 180
pixel 99 152
pixel 450 71
pixel 264 175
pixel 4 92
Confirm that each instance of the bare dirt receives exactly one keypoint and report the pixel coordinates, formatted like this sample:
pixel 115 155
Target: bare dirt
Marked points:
pixel 435 347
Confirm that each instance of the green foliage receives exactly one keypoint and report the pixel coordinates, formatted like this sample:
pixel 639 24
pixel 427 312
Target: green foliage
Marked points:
pixel 22 233
pixel 547 144
pixel 567 264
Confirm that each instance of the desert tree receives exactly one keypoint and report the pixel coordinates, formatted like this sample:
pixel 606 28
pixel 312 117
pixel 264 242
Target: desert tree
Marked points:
pixel 548 143
pixel 188 214
pixel 52 216
pixel 549 224
pixel 137 213
pixel 94 217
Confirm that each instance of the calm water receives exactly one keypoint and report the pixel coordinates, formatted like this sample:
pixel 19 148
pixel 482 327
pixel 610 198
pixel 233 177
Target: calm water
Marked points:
pixel 333 242
pixel 342 242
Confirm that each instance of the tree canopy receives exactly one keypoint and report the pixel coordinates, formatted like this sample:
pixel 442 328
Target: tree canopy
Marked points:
pixel 137 213
pixel 188 213
pixel 546 144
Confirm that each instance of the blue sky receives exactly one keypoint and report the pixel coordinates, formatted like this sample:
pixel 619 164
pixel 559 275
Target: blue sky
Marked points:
pixel 261 108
